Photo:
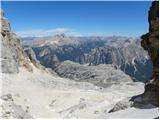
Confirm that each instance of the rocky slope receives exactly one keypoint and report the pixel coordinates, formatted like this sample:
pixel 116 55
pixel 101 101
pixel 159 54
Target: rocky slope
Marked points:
pixel 100 75
pixel 11 110
pixel 150 43
pixel 41 95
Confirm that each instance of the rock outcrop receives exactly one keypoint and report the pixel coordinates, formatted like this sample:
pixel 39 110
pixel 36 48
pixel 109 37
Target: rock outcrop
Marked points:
pixel 12 54
pixel 150 43
pixel 121 105
pixel 32 57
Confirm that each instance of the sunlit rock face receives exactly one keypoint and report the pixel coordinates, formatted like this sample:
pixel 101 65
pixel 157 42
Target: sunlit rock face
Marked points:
pixel 150 43
pixel 12 54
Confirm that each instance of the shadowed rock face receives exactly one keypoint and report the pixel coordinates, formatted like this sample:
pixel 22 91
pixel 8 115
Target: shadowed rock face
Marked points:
pixel 150 43
pixel 128 55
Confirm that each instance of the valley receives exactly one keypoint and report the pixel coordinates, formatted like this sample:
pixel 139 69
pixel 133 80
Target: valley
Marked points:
pixel 70 77
pixel 122 52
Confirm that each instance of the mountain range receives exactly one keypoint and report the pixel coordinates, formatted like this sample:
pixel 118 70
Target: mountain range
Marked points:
pixel 124 53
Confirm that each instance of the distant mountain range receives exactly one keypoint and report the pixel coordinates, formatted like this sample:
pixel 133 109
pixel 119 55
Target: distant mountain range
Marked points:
pixel 124 53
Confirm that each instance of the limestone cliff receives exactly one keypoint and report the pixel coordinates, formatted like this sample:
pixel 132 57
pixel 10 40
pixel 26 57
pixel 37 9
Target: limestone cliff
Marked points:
pixel 12 54
pixel 150 42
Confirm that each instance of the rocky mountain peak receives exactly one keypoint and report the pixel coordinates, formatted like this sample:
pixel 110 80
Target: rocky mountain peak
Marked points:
pixel 61 35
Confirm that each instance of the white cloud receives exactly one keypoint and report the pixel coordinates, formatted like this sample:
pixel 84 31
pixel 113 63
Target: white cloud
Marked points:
pixel 73 34
pixel 60 30
pixel 97 34
pixel 49 32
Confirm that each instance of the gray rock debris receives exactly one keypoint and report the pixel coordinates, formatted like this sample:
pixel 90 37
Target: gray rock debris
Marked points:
pixel 121 105
pixel 100 75
pixel 11 109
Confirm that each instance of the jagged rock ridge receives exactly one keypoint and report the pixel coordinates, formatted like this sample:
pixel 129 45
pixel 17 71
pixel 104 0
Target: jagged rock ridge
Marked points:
pixel 127 55
pixel 50 52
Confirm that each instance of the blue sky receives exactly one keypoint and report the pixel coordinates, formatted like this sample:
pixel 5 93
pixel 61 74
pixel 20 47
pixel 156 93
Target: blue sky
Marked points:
pixel 78 18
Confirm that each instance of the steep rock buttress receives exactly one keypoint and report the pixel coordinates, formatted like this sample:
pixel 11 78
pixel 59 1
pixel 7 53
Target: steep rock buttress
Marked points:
pixel 12 55
pixel 150 42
